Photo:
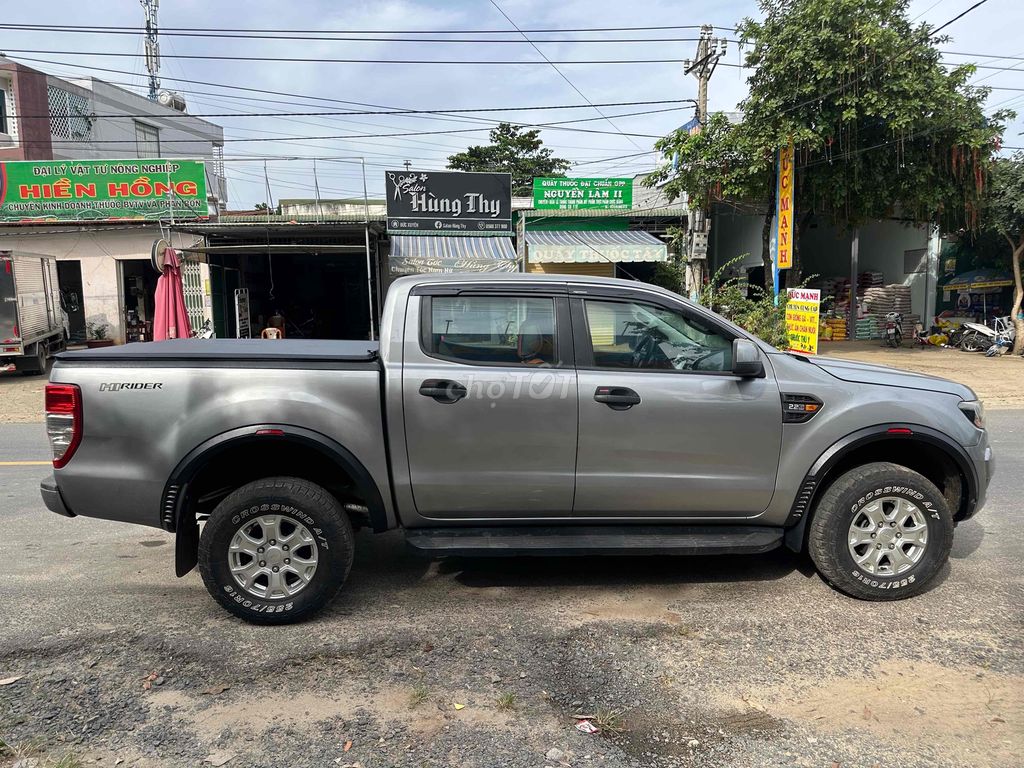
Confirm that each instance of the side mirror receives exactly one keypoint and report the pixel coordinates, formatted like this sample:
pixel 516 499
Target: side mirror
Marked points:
pixel 746 359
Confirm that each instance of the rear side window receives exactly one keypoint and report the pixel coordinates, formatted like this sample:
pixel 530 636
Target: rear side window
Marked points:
pixel 504 330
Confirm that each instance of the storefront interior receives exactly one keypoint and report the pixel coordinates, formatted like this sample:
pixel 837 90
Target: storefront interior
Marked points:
pixel 314 277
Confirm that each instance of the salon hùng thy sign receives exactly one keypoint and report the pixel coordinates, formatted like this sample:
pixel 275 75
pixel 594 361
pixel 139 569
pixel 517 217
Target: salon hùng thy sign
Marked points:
pixel 448 203
pixel 99 190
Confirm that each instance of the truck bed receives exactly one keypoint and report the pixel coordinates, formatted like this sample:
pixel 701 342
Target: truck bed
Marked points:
pixel 242 350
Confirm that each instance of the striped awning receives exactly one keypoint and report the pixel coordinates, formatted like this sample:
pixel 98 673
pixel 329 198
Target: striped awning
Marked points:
pixel 412 255
pixel 584 246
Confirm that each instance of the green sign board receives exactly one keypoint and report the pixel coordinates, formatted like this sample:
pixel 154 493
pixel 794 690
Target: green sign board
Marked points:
pixel 97 190
pixel 582 194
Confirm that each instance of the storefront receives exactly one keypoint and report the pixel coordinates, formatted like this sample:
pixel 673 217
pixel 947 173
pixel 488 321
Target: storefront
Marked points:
pixel 445 222
pixel 599 227
pixel 100 219
pixel 321 274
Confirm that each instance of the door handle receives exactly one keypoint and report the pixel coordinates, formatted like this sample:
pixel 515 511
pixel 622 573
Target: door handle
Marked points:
pixel 443 390
pixel 617 398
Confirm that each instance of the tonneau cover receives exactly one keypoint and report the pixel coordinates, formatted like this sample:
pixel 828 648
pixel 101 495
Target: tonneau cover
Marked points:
pixel 300 350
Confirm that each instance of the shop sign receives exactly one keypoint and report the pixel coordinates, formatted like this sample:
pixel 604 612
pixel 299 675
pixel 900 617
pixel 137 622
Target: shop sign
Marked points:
pixel 243 324
pixel 784 210
pixel 98 190
pixel 802 317
pixel 448 203
pixel 582 194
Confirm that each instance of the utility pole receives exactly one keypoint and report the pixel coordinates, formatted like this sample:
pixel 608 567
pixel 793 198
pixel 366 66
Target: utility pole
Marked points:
pixel 152 47
pixel 709 50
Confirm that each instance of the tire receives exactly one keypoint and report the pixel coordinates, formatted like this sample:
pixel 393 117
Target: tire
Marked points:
pixel 975 342
pixel 37 362
pixel 296 511
pixel 873 491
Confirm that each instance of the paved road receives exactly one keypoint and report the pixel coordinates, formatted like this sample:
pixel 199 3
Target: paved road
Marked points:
pixel 740 662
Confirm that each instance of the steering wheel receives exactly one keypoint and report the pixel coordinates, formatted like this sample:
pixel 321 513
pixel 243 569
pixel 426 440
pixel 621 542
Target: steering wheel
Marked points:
pixel 644 355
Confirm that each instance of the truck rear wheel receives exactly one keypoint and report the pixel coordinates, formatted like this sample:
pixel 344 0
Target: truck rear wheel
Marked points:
pixel 276 551
pixel 881 532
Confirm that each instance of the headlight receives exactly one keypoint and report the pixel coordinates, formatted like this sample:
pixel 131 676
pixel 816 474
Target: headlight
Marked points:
pixel 975 412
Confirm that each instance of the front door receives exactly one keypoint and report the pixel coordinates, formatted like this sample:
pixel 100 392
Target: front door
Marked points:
pixel 665 429
pixel 489 395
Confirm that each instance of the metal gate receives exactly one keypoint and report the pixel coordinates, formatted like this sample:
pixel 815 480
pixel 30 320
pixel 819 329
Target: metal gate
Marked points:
pixel 192 285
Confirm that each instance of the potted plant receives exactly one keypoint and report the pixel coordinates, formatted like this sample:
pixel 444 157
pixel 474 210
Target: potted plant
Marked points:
pixel 97 333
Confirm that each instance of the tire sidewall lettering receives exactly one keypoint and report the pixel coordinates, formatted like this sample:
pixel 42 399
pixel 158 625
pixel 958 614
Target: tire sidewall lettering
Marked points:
pixel 255 605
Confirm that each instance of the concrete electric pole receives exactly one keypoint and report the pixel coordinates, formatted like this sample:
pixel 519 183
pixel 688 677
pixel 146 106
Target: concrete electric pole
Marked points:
pixel 709 50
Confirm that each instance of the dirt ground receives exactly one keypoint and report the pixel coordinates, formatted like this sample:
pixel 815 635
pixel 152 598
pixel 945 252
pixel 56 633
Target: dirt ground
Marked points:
pixel 999 382
pixel 21 398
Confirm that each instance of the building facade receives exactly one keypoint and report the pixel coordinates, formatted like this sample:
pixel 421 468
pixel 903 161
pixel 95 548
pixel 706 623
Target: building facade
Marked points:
pixel 106 279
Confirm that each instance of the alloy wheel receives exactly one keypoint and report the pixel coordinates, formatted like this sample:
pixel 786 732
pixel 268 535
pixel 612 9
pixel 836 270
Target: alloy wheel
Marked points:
pixel 273 556
pixel 888 536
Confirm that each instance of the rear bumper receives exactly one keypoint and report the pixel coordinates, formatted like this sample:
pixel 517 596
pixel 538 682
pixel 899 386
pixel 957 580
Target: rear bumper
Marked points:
pixel 52 498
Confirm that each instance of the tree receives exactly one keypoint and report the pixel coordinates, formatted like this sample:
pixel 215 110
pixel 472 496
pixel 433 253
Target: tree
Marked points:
pixel 879 127
pixel 513 150
pixel 1004 213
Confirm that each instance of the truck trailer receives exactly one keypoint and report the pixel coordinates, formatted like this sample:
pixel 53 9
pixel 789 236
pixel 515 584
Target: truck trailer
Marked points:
pixel 33 325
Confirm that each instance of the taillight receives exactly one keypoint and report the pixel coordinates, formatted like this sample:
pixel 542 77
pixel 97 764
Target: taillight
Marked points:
pixel 63 421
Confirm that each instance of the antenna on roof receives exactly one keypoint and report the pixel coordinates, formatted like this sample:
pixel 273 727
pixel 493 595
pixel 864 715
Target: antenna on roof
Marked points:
pixel 152 47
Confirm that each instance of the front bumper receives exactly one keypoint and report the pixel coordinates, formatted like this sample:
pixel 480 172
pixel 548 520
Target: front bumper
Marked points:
pixel 52 498
pixel 984 467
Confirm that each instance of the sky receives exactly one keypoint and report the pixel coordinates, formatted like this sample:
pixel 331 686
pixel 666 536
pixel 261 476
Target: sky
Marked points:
pixel 597 147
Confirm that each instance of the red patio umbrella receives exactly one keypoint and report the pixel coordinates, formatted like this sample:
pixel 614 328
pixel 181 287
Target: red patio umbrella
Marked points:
pixel 170 319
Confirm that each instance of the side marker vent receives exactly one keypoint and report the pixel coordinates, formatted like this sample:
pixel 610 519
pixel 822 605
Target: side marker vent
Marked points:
pixel 797 409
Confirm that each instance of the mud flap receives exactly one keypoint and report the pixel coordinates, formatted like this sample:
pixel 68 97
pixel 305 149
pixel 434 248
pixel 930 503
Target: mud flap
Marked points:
pixel 186 545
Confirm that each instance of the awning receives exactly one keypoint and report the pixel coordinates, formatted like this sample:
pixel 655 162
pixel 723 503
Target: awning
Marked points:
pixel 412 255
pixel 585 246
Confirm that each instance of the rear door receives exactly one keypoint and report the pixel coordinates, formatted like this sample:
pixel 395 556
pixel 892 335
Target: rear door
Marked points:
pixel 665 429
pixel 490 403
pixel 8 302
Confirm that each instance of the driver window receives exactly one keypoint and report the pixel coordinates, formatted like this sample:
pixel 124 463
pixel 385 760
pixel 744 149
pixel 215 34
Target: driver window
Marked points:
pixel 632 335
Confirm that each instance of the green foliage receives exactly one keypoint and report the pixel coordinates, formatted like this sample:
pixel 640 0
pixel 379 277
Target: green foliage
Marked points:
pixel 880 127
pixel 1005 206
pixel 720 162
pixel 512 150
pixel 754 309
pixel 1004 214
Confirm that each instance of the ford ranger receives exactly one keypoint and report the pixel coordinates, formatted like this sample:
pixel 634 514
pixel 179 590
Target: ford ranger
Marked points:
pixel 515 415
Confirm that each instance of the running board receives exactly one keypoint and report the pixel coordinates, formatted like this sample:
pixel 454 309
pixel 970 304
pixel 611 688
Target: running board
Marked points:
pixel 594 540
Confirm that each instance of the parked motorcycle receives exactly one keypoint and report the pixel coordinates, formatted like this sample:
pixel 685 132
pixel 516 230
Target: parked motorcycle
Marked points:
pixel 893 329
pixel 205 331
pixel 978 337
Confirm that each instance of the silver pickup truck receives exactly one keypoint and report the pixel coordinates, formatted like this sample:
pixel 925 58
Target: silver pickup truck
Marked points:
pixel 515 415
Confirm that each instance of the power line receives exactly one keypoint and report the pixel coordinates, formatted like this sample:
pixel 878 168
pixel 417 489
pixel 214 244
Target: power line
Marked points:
pixel 204 115
pixel 560 125
pixel 335 38
pixel 166 30
pixel 562 75
pixel 322 60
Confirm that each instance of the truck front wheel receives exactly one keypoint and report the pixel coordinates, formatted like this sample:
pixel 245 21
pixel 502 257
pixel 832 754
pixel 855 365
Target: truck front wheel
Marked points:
pixel 276 551
pixel 881 532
